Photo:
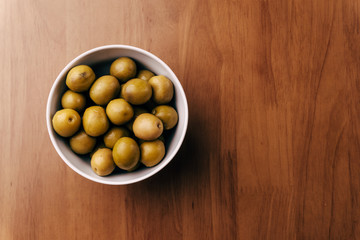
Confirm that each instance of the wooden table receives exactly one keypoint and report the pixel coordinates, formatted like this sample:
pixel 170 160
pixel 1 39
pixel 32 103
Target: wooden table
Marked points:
pixel 272 149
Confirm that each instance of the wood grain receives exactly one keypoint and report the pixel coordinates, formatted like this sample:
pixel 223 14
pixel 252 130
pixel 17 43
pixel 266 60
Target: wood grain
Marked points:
pixel 272 149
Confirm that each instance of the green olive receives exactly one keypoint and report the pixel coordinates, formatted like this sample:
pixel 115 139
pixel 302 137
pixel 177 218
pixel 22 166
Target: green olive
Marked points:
pixel 73 100
pixel 147 127
pixel 114 134
pixel 123 69
pixel 136 91
pixel 102 162
pixel 167 115
pixel 163 89
pixel 119 111
pixel 152 152
pixel 126 153
pixel 95 122
pixel 80 78
pixel 104 89
pixel 66 122
pixel 81 143
pixel 145 75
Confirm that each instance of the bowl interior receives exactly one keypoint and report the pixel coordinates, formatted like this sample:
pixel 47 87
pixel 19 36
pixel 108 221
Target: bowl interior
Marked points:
pixel 96 57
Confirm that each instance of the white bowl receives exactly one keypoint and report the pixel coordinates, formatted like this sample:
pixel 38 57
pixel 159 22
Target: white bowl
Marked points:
pixel 81 165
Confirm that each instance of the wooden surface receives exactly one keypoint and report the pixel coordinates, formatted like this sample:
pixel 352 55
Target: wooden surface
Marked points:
pixel 272 149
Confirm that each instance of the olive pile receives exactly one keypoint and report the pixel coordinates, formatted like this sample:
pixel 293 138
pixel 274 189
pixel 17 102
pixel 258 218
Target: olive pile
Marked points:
pixel 124 115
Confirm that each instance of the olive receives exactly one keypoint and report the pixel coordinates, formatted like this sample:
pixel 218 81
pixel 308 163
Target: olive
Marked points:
pixel 136 91
pixel 123 69
pixel 73 100
pixel 102 162
pixel 126 153
pixel 104 89
pixel 147 127
pixel 167 115
pixel 152 152
pixel 119 111
pixel 66 122
pixel 81 143
pixel 163 89
pixel 80 78
pixel 95 122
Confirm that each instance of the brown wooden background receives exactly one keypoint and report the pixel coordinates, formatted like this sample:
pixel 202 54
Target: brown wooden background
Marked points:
pixel 272 149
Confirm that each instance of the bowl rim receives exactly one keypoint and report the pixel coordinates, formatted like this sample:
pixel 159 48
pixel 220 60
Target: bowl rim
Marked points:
pixel 57 82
